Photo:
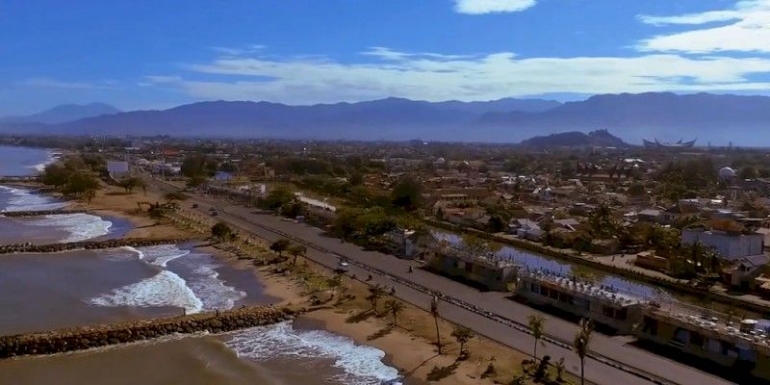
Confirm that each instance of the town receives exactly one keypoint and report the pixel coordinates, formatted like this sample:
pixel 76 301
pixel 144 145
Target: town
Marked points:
pixel 665 242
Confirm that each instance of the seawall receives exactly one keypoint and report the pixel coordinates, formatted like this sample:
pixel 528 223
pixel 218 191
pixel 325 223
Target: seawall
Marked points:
pixel 36 213
pixel 67 340
pixel 671 284
pixel 89 245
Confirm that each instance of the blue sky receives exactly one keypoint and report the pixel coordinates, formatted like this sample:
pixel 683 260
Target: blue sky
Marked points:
pixel 155 54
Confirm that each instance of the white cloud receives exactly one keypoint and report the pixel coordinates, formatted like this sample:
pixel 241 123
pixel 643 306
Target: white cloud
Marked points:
pixel 480 7
pixel 442 77
pixel 747 30
pixel 43 82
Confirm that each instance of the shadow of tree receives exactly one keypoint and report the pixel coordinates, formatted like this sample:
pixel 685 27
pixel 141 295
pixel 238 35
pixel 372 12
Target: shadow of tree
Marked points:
pixel 380 333
pixel 360 317
pixel 439 373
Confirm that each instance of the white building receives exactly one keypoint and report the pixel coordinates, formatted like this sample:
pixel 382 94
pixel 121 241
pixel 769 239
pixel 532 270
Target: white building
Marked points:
pixel 729 246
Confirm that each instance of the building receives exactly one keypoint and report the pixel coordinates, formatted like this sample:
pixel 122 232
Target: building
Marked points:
pixel 742 272
pixel 744 350
pixel 584 299
pixel 488 271
pixel 729 245
pixel 117 169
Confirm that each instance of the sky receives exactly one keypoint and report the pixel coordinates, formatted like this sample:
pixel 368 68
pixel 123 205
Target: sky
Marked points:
pixel 157 54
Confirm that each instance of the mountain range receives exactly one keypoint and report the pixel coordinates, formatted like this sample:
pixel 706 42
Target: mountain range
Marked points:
pixel 633 117
pixel 63 113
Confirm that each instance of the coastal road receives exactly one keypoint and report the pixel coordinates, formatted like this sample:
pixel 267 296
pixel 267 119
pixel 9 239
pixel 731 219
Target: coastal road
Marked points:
pixel 270 228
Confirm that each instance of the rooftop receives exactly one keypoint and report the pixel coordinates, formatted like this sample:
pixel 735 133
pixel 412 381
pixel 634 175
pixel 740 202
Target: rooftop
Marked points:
pixel 583 288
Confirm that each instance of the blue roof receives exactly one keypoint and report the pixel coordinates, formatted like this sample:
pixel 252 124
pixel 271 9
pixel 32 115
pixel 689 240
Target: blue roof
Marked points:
pixel 117 167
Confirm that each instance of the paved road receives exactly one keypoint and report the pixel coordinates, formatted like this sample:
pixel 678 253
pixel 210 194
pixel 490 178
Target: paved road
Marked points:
pixel 263 226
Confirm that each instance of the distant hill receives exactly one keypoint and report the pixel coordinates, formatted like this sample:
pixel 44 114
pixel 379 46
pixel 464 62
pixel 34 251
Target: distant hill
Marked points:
pixel 633 117
pixel 709 117
pixel 63 113
pixel 599 138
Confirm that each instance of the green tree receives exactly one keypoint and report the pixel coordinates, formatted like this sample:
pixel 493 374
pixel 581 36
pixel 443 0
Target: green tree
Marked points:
pixel 356 179
pixel 296 250
pixel 130 183
pixel 279 246
pixel 56 175
pixel 580 344
pixel 537 328
pixel 277 198
pixel 407 194
pixel 222 232
pixel 198 165
pixel 394 307
pixel 462 334
pixel 81 184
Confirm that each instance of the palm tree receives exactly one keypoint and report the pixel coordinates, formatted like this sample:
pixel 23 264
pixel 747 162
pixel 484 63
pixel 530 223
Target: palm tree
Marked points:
pixel 394 307
pixel 333 283
pixel 280 246
pixel 536 327
pixel 559 369
pixel 296 251
pixel 462 334
pixel 580 344
pixel 434 312
pixel 375 293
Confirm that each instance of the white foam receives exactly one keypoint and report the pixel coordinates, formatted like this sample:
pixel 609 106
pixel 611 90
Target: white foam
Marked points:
pixel 205 283
pixel 203 290
pixel 362 365
pixel 164 289
pixel 40 167
pixel 80 226
pixel 26 200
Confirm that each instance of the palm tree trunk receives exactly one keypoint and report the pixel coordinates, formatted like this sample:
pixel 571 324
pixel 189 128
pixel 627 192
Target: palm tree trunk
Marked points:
pixel 535 353
pixel 438 335
pixel 582 371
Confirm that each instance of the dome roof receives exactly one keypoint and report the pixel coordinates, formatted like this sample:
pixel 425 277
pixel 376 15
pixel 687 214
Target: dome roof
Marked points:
pixel 727 172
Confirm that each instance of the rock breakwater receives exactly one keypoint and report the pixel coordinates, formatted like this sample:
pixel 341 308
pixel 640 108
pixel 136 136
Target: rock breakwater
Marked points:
pixel 38 213
pixel 89 245
pixel 67 340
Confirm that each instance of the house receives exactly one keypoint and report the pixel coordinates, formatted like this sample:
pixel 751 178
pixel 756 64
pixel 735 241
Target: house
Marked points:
pixel 117 169
pixel 729 245
pixel 650 216
pixel 408 243
pixel 487 271
pixel 526 228
pixel 567 224
pixel 742 272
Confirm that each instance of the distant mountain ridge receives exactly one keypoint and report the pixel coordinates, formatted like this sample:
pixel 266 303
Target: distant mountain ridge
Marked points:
pixel 633 117
pixel 63 113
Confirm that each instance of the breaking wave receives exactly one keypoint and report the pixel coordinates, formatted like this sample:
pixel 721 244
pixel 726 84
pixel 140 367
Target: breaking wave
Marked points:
pixel 361 365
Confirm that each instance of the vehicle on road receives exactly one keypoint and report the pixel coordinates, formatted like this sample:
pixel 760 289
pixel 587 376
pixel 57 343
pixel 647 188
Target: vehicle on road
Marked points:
pixel 195 205
pixel 342 267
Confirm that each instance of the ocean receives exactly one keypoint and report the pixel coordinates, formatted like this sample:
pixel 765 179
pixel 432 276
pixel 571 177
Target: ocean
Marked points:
pixel 84 287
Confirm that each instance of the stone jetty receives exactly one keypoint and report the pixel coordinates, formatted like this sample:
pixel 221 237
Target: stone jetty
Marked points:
pixel 67 340
pixel 36 213
pixel 89 245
